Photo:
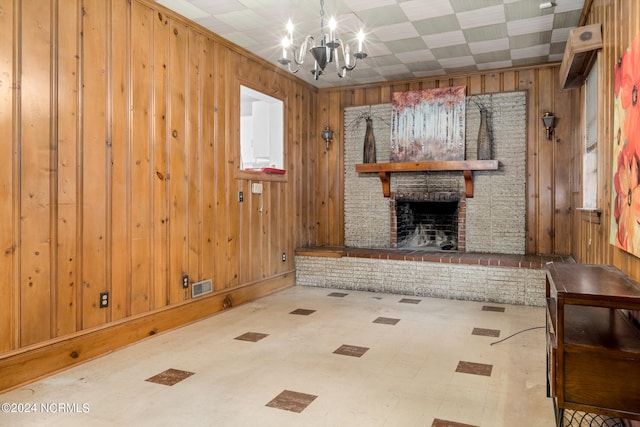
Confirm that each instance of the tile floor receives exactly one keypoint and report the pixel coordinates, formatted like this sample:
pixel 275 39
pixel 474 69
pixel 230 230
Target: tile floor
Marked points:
pixel 311 357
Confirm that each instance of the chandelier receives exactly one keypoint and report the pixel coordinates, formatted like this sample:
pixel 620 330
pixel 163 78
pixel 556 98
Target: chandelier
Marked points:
pixel 329 49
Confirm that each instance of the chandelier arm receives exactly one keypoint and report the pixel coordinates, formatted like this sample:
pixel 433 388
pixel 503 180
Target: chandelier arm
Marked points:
pixel 304 48
pixel 291 70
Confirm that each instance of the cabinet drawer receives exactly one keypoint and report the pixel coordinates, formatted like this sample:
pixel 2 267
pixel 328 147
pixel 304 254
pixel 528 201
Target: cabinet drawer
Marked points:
pixel 602 381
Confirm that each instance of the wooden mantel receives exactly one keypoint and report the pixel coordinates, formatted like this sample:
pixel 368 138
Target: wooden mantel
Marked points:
pixel 466 166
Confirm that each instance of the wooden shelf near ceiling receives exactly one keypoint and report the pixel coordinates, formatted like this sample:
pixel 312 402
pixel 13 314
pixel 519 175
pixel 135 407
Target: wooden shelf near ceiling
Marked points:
pixel 578 52
pixel 384 170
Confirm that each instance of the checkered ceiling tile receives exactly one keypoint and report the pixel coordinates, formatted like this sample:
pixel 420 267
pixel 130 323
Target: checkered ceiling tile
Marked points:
pixel 404 38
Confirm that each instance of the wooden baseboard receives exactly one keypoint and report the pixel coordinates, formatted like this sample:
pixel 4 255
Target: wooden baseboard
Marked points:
pixel 34 362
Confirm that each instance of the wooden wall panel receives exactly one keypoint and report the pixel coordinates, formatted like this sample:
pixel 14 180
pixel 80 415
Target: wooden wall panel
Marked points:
pixel 178 173
pixel 161 141
pixel 35 168
pixel 548 170
pixel 96 153
pixel 67 107
pixel 208 254
pixel 122 105
pixel 8 182
pixel 120 171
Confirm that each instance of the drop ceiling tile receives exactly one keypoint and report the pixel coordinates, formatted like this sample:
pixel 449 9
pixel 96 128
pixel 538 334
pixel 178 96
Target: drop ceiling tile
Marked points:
pixel 416 10
pixel 556 57
pixel 523 9
pixel 557 48
pixel 465 5
pixel 460 61
pixel 222 28
pixel 443 24
pixel 530 61
pixel 349 23
pixel 489 46
pixel 416 56
pixel 216 7
pixel 383 61
pixel 566 5
pixel 489 57
pixel 241 39
pixel 375 49
pixel 566 19
pixel 406 45
pixel 451 51
pixel 489 32
pixel 393 69
pixel 482 17
pixel 241 20
pixel 423 66
pixel 437 72
pixel 404 30
pixel 528 40
pixel 495 65
pixel 460 70
pixel 530 25
pixel 184 8
pixel 381 16
pixel 359 5
pixel 560 35
pixel 528 52
pixel 444 39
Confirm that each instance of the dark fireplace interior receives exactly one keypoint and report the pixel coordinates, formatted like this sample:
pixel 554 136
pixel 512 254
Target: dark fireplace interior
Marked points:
pixel 431 223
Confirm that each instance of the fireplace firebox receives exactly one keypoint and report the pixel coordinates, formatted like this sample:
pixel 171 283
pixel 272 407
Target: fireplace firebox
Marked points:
pixel 428 221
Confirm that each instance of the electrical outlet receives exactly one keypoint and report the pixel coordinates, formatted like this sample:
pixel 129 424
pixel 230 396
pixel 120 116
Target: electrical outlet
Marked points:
pixel 284 256
pixel 185 281
pixel 240 196
pixel 104 299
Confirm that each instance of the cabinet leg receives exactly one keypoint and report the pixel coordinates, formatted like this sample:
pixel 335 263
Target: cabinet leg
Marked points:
pixel 560 417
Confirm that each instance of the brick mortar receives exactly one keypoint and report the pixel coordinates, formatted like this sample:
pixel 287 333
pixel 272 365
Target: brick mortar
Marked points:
pixel 506 285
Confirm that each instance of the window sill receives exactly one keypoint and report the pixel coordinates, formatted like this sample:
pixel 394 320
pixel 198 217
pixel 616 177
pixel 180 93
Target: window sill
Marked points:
pixel 261 176
pixel 592 215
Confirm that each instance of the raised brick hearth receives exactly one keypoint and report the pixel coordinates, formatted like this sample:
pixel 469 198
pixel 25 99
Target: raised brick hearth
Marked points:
pixel 500 278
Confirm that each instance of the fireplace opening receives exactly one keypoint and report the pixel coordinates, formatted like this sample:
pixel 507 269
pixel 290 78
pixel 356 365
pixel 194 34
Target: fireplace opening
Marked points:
pixel 429 221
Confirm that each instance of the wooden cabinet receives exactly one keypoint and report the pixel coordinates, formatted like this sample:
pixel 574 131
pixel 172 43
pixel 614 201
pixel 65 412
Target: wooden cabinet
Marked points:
pixel 593 347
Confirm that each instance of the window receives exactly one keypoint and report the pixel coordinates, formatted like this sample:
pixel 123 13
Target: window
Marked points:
pixel 590 146
pixel 261 131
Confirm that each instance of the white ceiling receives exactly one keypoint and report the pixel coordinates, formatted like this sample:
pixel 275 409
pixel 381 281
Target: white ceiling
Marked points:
pixel 404 38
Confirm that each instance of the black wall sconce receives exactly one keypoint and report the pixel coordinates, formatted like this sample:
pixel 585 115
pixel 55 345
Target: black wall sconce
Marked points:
pixel 327 135
pixel 548 119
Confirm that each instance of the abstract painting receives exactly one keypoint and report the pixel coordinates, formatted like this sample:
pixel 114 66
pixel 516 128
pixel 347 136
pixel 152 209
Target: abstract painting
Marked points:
pixel 625 197
pixel 428 125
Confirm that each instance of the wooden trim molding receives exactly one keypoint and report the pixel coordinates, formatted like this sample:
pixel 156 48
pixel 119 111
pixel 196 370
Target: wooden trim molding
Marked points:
pixel 466 166
pixel 580 47
pixel 31 363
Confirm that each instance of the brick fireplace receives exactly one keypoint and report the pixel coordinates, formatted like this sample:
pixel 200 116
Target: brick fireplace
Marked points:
pixel 492 221
pixel 428 220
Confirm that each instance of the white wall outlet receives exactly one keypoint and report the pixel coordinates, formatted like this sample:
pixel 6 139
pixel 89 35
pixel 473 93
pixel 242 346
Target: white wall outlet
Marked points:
pixel 256 188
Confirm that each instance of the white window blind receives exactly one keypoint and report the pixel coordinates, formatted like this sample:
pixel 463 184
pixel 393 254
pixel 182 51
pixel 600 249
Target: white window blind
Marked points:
pixel 590 149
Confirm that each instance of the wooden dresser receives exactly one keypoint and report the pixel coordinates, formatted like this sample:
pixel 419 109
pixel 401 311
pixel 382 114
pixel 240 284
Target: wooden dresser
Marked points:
pixel 593 347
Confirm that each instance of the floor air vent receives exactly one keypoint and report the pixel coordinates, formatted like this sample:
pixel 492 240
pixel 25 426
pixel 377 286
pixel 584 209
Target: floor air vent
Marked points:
pixel 201 288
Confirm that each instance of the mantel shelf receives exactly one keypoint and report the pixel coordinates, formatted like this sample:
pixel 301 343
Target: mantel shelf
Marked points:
pixel 466 166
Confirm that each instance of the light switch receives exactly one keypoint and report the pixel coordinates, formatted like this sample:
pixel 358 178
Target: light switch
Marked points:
pixel 256 188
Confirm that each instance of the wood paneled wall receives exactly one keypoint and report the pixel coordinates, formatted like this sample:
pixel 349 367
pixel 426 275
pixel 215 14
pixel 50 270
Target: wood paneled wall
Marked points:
pixel 119 156
pixel 549 163
pixel 620 20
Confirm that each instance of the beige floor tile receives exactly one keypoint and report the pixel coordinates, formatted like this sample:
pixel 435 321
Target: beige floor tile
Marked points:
pixel 406 377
